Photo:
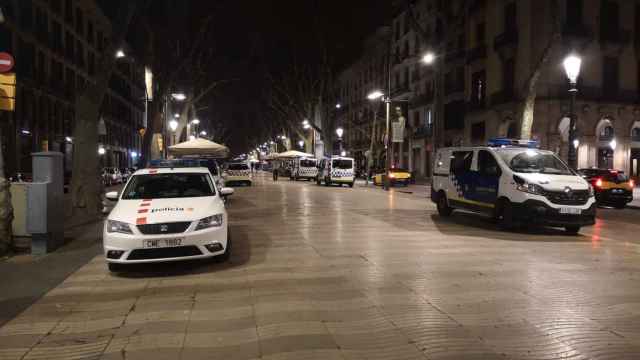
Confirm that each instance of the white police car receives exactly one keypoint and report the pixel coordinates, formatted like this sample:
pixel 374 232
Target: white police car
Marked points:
pixel 167 214
pixel 237 173
pixel 513 181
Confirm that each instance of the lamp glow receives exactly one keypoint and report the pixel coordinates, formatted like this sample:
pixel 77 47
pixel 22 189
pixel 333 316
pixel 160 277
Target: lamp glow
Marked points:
pixel 195 121
pixel 375 95
pixel 572 67
pixel 576 143
pixel 179 96
pixel 120 54
pixel 173 125
pixel 339 132
pixel 101 150
pixel 428 58
pixel 613 144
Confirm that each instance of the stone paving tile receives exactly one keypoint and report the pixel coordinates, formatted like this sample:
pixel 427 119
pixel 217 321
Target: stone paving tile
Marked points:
pixel 300 287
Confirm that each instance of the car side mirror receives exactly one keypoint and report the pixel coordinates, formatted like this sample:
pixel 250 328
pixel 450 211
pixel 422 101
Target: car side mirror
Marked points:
pixel 112 195
pixel 226 191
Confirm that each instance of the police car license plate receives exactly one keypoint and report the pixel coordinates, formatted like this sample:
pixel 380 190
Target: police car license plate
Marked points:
pixel 160 243
pixel 570 211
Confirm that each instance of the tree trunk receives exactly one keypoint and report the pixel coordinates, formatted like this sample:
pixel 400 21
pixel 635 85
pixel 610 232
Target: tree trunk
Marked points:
pixel 528 106
pixel 85 183
pixel 6 209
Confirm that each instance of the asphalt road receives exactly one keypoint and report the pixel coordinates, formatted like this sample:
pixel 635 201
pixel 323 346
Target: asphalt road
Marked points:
pixel 337 273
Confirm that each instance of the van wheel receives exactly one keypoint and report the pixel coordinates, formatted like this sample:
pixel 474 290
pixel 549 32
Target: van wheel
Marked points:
pixel 318 182
pixel 504 214
pixel 326 182
pixel 572 230
pixel 443 206
pixel 351 184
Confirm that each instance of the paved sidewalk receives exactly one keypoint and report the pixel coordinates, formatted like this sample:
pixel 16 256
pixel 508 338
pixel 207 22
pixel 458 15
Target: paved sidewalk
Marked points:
pixel 636 199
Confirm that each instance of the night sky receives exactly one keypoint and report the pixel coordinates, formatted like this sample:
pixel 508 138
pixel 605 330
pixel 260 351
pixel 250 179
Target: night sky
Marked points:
pixel 258 38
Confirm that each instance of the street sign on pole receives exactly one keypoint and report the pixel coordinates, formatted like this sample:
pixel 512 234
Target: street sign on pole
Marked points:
pixel 8 92
pixel 397 131
pixel 6 62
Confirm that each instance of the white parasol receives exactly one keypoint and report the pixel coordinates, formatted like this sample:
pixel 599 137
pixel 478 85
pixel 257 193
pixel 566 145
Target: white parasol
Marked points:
pixel 199 146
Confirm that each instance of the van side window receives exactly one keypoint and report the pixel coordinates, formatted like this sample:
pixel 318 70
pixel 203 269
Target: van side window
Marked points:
pixel 487 164
pixel 461 161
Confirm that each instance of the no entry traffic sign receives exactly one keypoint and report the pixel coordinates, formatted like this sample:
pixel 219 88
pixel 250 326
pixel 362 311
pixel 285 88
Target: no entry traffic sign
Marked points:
pixel 6 62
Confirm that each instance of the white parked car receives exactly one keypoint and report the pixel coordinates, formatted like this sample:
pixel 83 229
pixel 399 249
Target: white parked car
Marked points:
pixel 167 214
pixel 237 173
pixel 514 182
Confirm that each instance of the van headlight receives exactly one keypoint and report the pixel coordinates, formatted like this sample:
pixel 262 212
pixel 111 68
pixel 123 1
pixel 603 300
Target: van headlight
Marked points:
pixel 114 226
pixel 210 221
pixel 530 188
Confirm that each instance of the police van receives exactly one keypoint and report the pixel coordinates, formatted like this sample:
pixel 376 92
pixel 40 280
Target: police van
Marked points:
pixel 304 168
pixel 336 170
pixel 514 182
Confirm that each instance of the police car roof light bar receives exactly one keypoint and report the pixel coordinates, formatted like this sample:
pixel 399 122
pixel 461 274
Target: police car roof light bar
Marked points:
pixel 504 142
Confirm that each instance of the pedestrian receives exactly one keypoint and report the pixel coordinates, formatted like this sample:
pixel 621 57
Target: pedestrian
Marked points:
pixel 275 174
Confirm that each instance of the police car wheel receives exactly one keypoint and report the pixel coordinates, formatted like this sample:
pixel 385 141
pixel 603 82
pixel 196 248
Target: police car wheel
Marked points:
pixel 326 182
pixel 227 252
pixel 572 230
pixel 443 207
pixel 114 267
pixel 504 214
pixel 318 181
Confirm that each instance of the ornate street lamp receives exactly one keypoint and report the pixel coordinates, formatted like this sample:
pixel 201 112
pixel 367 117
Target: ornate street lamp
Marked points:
pixel 572 68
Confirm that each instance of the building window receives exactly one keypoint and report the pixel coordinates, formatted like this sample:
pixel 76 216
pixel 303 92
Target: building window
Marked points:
pixel 79 22
pixel 26 14
pixel 90 34
pixel 610 82
pixel 68 12
pixel 56 6
pixel 477 132
pixel 609 20
pixel 510 17
pixel 574 13
pixel 478 87
pixel 480 33
pixel 508 76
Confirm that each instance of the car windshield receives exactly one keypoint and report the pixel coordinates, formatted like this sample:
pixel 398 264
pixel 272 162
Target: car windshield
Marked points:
pixel 606 175
pixel 535 161
pixel 307 163
pixel 164 186
pixel 342 164
pixel 238 167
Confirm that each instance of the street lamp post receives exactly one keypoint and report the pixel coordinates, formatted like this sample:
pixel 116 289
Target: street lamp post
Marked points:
pixel 387 100
pixel 572 68
pixel 173 125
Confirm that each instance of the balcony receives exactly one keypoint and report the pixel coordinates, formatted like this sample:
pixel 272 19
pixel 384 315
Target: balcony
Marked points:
pixel 477 53
pixel 401 92
pixel 421 100
pixel 502 97
pixel 475 105
pixel 454 55
pixel 506 43
pixel 422 132
pixel 593 93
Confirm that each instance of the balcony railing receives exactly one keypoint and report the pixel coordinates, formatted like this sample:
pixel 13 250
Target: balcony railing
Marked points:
pixel 477 53
pixel 502 97
pixel 422 132
pixel 577 31
pixel 615 36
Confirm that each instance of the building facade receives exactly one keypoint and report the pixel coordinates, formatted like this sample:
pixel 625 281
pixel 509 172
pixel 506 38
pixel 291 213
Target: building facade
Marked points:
pixel 486 51
pixel 362 119
pixel 57 45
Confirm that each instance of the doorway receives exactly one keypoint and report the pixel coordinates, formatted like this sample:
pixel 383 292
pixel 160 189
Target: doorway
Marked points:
pixel 634 171
pixel 605 158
